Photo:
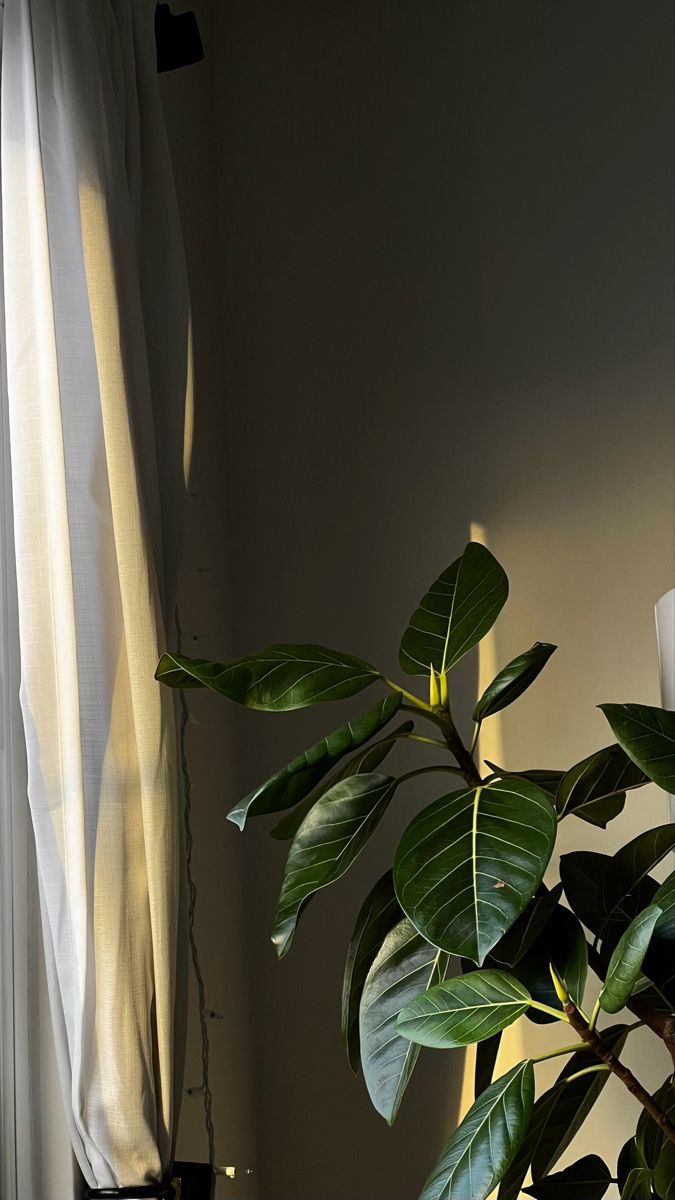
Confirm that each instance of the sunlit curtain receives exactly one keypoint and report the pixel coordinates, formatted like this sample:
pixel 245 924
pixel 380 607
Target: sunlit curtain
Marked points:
pixel 96 342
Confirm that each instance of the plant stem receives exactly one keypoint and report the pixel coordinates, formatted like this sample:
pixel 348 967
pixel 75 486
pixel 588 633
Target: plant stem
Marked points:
pixel 414 700
pixel 476 735
pixel 443 718
pixel 458 749
pixel 594 1015
pixel 560 1051
pixel 427 770
pixel 558 1013
pixel 417 737
pixel 590 1037
pixel 576 1046
pixel 586 1071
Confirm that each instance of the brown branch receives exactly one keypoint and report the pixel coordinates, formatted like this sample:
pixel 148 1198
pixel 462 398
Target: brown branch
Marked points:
pixel 457 748
pixel 622 1072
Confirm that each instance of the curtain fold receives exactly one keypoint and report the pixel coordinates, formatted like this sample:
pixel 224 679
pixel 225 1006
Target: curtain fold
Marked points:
pixel 97 354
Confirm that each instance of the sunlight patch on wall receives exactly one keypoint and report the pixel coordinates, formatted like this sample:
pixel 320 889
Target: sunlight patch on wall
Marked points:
pixel 490 745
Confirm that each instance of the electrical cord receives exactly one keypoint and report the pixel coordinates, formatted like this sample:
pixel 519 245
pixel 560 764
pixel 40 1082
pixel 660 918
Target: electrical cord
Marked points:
pixel 192 906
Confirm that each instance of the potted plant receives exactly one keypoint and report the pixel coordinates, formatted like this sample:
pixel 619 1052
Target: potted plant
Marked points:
pixel 462 937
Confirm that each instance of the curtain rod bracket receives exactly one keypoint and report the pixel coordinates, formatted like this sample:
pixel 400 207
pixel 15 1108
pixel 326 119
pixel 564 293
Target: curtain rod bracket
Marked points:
pixel 177 39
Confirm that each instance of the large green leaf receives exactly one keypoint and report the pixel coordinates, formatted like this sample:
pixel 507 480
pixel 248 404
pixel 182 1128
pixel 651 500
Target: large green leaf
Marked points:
pixel 648 737
pixel 659 964
pixel 457 611
pixel 365 762
pixel 629 1159
pixel 665 899
pixel 513 680
pixel 276 679
pixel 379 913
pixel 329 839
pixel 627 887
pixel 558 1116
pixel 638 1184
pixel 582 873
pixel 567 950
pixel 405 964
pixel 664 1172
pixel 625 965
pixel 486 1060
pixel 469 864
pixel 302 774
pixel 649 1137
pixel 595 788
pixel 464 1010
pixel 480 1150
pixel 587 1179
pixel 601 812
pixel 534 973
pixel 530 924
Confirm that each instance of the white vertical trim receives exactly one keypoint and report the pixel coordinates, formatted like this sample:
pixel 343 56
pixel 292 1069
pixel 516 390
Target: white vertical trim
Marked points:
pixel 665 636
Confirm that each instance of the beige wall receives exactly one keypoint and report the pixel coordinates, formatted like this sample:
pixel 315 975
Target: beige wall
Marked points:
pixel 431 248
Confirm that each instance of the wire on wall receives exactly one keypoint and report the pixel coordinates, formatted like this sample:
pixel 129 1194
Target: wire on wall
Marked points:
pixel 204 1012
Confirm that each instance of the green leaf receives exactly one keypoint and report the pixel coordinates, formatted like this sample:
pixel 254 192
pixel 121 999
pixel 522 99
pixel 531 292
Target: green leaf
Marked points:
pixel 601 812
pixel 625 964
pixel 379 913
pixel 457 611
pixel 533 972
pixel 274 680
pixel 301 775
pixel 469 864
pixel 464 1010
pixel 486 1059
pixel 482 1147
pixel 664 1172
pixel 405 965
pixel 567 949
pixel 564 945
pixel 558 1116
pixel 331 836
pixel 626 887
pixel 583 873
pixel 595 789
pixel 364 763
pixel 546 781
pixel 659 964
pixel 638 1185
pixel 513 680
pixel 530 924
pixel 665 900
pixel 648 737
pixel 649 1138
pixel 629 1157
pixel 587 1179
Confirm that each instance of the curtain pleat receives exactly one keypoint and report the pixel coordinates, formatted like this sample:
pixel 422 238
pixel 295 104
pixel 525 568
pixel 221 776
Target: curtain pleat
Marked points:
pixel 94 281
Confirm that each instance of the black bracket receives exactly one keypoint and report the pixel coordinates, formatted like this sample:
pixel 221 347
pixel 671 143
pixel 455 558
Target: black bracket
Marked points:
pixel 177 39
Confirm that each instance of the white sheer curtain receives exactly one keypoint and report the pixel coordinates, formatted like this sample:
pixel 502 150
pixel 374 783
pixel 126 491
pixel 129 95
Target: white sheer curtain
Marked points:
pixel 96 340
